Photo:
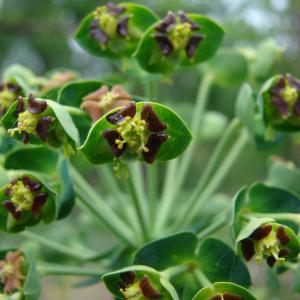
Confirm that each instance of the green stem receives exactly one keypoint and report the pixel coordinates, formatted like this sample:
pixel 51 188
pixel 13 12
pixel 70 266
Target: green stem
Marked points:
pixel 69 251
pixel 199 197
pixel 75 111
pixel 138 205
pixel 152 192
pixel 170 197
pixel 175 271
pixel 56 269
pixel 101 210
pixel 201 278
pixel 213 227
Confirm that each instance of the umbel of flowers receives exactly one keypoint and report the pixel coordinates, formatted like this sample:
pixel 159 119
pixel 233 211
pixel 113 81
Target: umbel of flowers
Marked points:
pixel 135 134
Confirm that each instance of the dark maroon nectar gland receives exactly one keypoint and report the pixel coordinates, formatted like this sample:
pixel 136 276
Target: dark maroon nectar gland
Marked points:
pixel 142 135
pixel 267 242
pixel 29 119
pixel 25 195
pixel 227 296
pixel 8 94
pixel 178 33
pixel 11 272
pixel 109 22
pixel 285 96
pixel 133 288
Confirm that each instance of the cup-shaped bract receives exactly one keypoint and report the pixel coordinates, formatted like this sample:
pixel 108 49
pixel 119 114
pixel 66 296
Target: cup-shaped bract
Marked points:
pixel 39 121
pixel 272 242
pixel 177 41
pixel 18 277
pixel 114 30
pixel 224 291
pixel 147 131
pixel 279 102
pixel 25 201
pixel 139 283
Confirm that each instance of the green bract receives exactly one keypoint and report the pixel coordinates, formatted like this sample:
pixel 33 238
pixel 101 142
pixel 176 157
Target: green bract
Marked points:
pixel 139 283
pixel 224 291
pixel 40 121
pixel 279 103
pixel 166 46
pixel 99 148
pixel 19 279
pixel 114 30
pixel 25 201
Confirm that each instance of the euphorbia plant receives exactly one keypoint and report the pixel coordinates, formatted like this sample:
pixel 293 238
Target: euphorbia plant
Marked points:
pixel 143 150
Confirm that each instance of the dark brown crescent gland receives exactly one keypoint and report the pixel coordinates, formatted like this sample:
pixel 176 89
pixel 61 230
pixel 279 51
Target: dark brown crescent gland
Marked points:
pixel 20 106
pixel 35 106
pixel 111 135
pixel 297 107
pixel 115 9
pixel 217 297
pixel 31 185
pixel 278 87
pixel 164 43
pixel 14 87
pixel 12 209
pixel 168 22
pixel 192 45
pixel 127 111
pixel 42 127
pixel 281 105
pixel 229 296
pixel 148 290
pixel 154 143
pixel 98 34
pixel 127 278
pixel 153 122
pixel 293 82
pixel 248 249
pixel 184 19
pixel 8 190
pixel 284 252
pixel 25 137
pixel 38 204
pixel 122 27
pixel 261 232
pixel 271 260
pixel 282 236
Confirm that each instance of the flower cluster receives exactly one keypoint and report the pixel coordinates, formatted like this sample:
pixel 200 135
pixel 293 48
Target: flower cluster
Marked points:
pixel 285 96
pixel 136 135
pixel 25 195
pixel 177 34
pixel 227 296
pixel 8 94
pixel 29 119
pixel 138 289
pixel 58 79
pixel 109 22
pixel 97 103
pixel 11 272
pixel 267 241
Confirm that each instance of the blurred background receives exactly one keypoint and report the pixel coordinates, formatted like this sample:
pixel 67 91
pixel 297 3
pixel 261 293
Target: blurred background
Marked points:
pixel 38 34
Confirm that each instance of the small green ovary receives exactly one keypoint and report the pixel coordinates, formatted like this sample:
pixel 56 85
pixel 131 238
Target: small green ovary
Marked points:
pixel 21 196
pixel 107 22
pixel 27 122
pixel 180 35
pixel 290 95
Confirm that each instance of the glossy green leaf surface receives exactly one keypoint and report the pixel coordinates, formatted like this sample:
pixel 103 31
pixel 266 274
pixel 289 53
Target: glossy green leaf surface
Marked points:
pixel 167 252
pixel 97 150
pixel 140 19
pixel 218 262
pixel 218 288
pixel 31 157
pixel 151 59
